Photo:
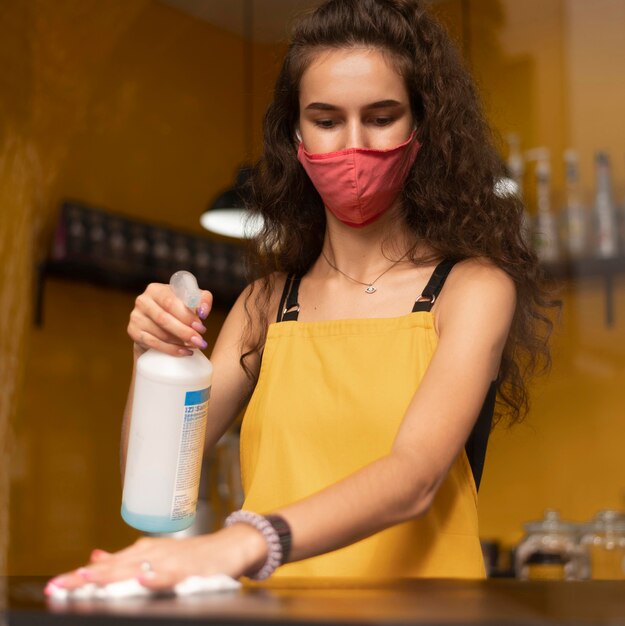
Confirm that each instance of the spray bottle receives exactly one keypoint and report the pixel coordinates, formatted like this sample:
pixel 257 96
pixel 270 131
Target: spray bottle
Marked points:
pixel 545 227
pixel 166 438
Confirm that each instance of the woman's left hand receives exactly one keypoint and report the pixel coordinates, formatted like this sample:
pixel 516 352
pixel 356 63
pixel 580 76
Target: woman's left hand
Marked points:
pixel 161 563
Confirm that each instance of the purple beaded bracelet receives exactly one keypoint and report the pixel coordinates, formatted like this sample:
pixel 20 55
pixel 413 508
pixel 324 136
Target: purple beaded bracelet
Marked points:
pixel 274 547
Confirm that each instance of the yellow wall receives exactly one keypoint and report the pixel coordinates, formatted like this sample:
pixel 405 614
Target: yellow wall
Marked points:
pixel 136 107
pixel 550 70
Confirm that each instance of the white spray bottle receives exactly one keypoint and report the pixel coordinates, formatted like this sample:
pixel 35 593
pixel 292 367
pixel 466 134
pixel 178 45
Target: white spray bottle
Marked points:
pixel 167 427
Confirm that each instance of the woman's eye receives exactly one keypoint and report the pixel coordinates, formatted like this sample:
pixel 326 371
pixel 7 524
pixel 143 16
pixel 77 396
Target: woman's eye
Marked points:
pixel 324 123
pixel 382 121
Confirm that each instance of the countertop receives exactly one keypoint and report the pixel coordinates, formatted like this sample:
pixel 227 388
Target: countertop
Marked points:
pixel 416 602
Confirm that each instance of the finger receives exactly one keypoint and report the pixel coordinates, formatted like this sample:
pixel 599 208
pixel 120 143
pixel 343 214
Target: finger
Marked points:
pixel 159 581
pixel 206 304
pixel 113 571
pixel 125 563
pixel 165 297
pixel 98 555
pixel 139 324
pixel 137 550
pixel 134 553
pixel 162 316
pixel 68 580
pixel 146 340
pixel 140 321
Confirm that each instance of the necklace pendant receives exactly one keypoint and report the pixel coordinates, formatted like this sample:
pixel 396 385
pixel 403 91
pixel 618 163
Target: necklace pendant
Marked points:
pixel 370 289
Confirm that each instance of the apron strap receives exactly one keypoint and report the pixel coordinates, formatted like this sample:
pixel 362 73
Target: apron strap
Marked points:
pixel 425 301
pixel 289 307
pixel 288 311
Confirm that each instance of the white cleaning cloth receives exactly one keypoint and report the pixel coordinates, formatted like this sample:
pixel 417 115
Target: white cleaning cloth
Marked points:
pixel 132 588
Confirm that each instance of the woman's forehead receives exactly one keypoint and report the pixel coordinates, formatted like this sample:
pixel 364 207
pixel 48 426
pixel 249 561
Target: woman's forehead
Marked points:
pixel 357 71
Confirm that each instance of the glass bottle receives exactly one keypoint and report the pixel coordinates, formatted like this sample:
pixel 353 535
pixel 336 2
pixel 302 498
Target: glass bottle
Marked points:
pixel 574 217
pixel 605 227
pixel 550 551
pixel 546 241
pixel 515 164
pixel 604 541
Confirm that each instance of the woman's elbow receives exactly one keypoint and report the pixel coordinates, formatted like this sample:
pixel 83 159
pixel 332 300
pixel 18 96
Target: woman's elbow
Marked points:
pixel 416 497
pixel 417 503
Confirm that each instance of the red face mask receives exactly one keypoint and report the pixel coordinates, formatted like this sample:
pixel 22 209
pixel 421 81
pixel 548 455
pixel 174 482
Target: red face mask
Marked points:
pixel 359 184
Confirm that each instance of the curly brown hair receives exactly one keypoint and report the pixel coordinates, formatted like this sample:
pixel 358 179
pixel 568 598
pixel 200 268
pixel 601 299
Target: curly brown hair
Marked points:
pixel 449 198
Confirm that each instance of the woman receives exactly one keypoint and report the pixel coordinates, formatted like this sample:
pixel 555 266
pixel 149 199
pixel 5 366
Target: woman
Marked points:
pixel 397 300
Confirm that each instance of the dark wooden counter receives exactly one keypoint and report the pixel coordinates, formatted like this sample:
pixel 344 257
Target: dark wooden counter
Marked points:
pixel 419 602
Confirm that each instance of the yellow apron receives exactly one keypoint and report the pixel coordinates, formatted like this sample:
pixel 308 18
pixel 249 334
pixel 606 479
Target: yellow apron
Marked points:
pixel 329 400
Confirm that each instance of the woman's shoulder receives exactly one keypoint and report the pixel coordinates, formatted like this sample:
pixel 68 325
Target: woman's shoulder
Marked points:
pixel 262 296
pixel 476 287
pixel 479 273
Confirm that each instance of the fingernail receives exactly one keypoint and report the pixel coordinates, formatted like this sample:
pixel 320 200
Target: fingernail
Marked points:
pixel 202 311
pixel 198 326
pixel 146 576
pixel 50 588
pixel 57 582
pixel 185 352
pixel 199 342
pixel 97 553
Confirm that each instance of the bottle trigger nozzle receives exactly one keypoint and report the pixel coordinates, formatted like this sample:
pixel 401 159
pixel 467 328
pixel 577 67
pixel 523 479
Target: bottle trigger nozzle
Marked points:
pixel 185 286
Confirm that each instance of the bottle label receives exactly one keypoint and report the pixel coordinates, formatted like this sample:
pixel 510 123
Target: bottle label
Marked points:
pixel 190 453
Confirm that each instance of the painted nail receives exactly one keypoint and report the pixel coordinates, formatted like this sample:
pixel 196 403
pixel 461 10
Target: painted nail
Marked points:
pixel 202 311
pixel 50 588
pixel 97 553
pixel 199 342
pixel 198 326
pixel 185 352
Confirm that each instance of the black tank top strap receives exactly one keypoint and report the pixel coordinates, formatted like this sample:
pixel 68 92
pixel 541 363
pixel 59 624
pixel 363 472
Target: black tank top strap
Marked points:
pixel 435 284
pixel 288 309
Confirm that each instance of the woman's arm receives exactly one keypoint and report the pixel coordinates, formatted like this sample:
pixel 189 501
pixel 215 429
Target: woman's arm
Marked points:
pixel 473 319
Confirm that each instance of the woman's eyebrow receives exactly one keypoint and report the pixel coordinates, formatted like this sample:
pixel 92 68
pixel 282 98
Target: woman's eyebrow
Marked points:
pixel 321 106
pixel 381 104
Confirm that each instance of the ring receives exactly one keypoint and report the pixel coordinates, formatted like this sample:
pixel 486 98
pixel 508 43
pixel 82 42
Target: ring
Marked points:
pixel 146 567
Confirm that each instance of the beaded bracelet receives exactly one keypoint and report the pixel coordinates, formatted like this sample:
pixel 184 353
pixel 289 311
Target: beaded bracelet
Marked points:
pixel 275 553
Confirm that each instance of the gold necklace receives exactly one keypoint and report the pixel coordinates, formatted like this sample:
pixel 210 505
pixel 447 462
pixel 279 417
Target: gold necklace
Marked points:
pixel 369 286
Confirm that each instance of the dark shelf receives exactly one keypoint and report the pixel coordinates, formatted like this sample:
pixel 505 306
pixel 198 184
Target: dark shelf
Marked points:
pixel 106 249
pixel 591 268
pixel 588 267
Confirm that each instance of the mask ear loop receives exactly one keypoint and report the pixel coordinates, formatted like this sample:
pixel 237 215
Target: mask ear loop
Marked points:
pixel 298 135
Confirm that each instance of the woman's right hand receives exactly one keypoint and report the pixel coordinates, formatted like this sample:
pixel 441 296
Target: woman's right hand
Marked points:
pixel 160 320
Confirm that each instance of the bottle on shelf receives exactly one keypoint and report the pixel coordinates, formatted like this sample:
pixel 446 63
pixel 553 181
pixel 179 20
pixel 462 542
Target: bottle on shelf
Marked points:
pixel 604 211
pixel 166 437
pixel 574 214
pixel 621 226
pixel 516 168
pixel 545 229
